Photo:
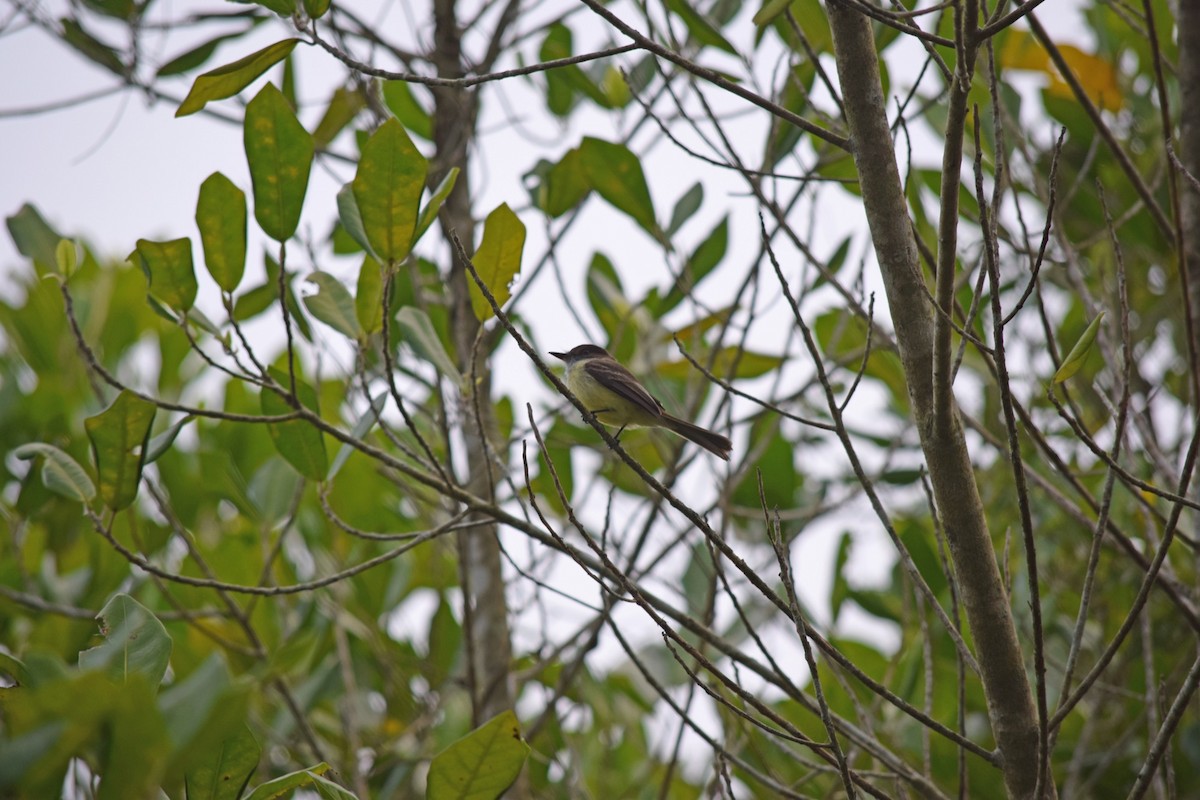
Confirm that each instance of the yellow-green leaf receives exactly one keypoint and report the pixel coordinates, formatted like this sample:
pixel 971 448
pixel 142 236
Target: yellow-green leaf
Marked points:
pixel 387 188
pixel 300 444
pixel 1079 352
pixel 430 211
pixel 280 154
pixel 221 218
pixel 730 363
pixel 480 765
pixel 169 271
pixel 119 435
pixel 368 297
pixel 498 258
pixel 230 79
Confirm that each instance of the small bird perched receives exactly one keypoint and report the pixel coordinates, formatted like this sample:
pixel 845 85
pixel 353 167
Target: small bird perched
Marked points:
pixel 615 397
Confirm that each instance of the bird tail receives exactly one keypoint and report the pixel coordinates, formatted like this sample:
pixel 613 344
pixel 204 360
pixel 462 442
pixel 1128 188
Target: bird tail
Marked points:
pixel 715 443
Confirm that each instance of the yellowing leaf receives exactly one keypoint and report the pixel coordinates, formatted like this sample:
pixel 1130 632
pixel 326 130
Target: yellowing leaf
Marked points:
pixel 230 79
pixel 498 258
pixel 1079 352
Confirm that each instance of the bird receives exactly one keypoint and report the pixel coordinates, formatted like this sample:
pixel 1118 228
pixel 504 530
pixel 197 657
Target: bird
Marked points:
pixel 615 397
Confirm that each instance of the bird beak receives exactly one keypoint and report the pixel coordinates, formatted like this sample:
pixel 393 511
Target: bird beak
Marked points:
pixel 559 356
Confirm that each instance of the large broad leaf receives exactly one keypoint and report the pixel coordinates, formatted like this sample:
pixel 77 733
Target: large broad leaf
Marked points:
pixel 135 642
pixel 280 154
pixel 388 187
pixel 119 436
pixel 562 186
pixel 223 775
pixel 230 79
pixel 61 473
pixel 482 764
pixel 498 259
pixel 616 174
pixel 169 271
pixel 221 218
pixel 333 305
pixel 300 444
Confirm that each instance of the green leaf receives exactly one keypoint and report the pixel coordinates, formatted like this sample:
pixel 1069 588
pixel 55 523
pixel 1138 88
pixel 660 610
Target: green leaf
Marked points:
pixel 91 47
pixel 351 218
pixel 342 109
pixel 730 363
pixel 300 444
pixel 119 435
pixel 616 174
pixel 706 257
pixel 224 774
pixel 699 27
pixel 400 100
pixel 368 296
pixel 286 784
pixel 388 187
pixel 34 238
pixel 421 336
pixel 482 764
pixel 315 9
pixel 135 643
pixel 1079 353
pixel 430 211
pixel 60 473
pixel 498 259
pixel 162 443
pixel 221 218
pixel 280 154
pixel 840 586
pixel 333 305
pixel 66 257
pixel 190 59
pixel 685 207
pixel 230 79
pixel 169 271
pixel 562 186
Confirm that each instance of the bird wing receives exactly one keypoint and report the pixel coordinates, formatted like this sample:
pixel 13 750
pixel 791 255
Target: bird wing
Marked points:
pixel 620 380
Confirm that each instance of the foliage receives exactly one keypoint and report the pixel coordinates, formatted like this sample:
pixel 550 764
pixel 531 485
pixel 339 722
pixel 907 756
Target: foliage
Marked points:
pixel 242 485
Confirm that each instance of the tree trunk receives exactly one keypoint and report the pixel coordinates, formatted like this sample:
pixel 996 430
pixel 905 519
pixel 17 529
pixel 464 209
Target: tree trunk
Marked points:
pixel 1010 701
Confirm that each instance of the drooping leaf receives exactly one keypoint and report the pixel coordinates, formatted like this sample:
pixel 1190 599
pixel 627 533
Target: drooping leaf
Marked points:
pixel 230 79
pixel 430 211
pixel 387 188
pixel 398 96
pixel 135 642
pixel 190 59
pixel 221 218
pixel 343 107
pixel 480 765
pixel 698 265
pixel 169 271
pixel 119 435
pixel 351 218
pixel 91 47
pixel 333 305
pixel 498 259
pixel 699 27
pixel 280 154
pixel 300 444
pixel 162 443
pixel 616 174
pixel 687 205
pixel 60 473
pixel 419 333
